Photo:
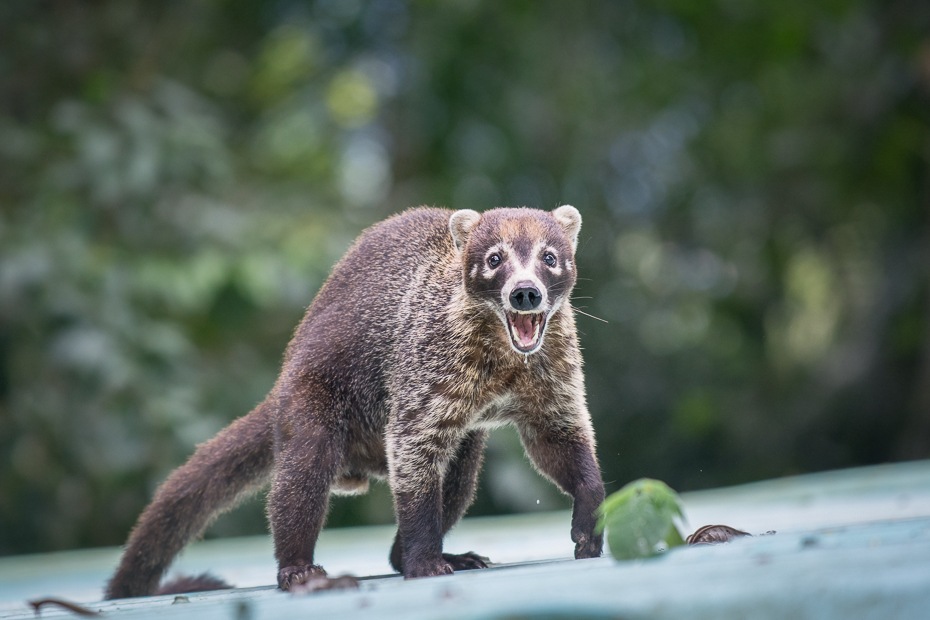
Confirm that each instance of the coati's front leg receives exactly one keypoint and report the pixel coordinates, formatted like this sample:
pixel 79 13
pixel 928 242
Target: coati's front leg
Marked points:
pixel 308 454
pixel 458 492
pixel 418 450
pixel 564 453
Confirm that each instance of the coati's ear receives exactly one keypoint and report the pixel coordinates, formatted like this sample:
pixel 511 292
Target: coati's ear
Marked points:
pixel 570 219
pixel 461 224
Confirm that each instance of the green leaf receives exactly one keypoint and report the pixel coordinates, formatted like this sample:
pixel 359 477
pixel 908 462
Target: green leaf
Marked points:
pixel 639 517
pixel 674 538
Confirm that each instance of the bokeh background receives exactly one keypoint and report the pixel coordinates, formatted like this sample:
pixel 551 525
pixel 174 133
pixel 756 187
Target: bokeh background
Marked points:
pixel 178 177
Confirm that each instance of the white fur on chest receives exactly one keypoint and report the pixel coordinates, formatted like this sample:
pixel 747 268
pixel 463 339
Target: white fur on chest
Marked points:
pixel 499 411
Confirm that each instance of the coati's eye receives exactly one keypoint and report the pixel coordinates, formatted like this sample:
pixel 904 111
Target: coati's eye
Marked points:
pixel 549 259
pixel 494 260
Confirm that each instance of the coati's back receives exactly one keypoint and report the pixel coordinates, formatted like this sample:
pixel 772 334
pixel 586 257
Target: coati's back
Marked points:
pixel 348 335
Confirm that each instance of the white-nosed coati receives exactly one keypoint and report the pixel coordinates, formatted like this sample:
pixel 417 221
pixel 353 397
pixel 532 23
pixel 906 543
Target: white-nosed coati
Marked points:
pixel 434 327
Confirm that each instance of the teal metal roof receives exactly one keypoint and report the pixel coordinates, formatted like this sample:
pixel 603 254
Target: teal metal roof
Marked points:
pixel 850 544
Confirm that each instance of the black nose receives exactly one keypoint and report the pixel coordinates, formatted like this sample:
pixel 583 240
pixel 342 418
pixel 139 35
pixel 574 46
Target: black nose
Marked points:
pixel 525 298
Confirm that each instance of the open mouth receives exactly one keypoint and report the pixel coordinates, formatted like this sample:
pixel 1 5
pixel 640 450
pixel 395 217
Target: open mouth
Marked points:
pixel 526 329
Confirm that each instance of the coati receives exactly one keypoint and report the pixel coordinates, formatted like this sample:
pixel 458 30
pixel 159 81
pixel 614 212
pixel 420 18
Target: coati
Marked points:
pixel 433 328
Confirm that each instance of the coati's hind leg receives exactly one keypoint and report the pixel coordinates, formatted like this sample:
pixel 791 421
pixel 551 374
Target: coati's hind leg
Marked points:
pixel 218 474
pixel 458 492
pixel 308 456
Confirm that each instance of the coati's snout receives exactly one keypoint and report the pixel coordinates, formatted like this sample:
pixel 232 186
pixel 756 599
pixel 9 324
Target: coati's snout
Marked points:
pixel 527 297
pixel 526 305
pixel 524 319
pixel 520 263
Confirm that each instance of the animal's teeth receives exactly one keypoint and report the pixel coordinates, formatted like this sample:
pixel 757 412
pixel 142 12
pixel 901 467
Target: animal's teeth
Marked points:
pixel 515 332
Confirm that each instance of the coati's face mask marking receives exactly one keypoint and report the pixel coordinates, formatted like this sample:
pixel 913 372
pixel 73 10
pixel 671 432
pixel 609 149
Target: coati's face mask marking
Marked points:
pixel 520 263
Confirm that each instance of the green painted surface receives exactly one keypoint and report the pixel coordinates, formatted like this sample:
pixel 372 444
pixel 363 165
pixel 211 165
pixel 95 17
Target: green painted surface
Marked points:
pixel 850 544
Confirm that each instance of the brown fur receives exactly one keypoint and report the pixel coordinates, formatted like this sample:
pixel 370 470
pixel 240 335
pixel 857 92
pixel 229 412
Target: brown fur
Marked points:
pixel 188 583
pixel 399 367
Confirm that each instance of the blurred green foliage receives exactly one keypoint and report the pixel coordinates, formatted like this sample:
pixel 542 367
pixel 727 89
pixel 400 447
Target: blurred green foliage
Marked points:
pixel 640 519
pixel 177 178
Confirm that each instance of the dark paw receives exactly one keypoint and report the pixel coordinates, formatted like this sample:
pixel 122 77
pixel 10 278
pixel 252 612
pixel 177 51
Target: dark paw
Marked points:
pixel 185 584
pixel 414 569
pixel 319 583
pixel 294 575
pixel 589 548
pixel 466 561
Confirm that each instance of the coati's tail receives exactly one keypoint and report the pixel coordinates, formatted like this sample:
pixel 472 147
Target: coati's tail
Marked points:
pixel 219 473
